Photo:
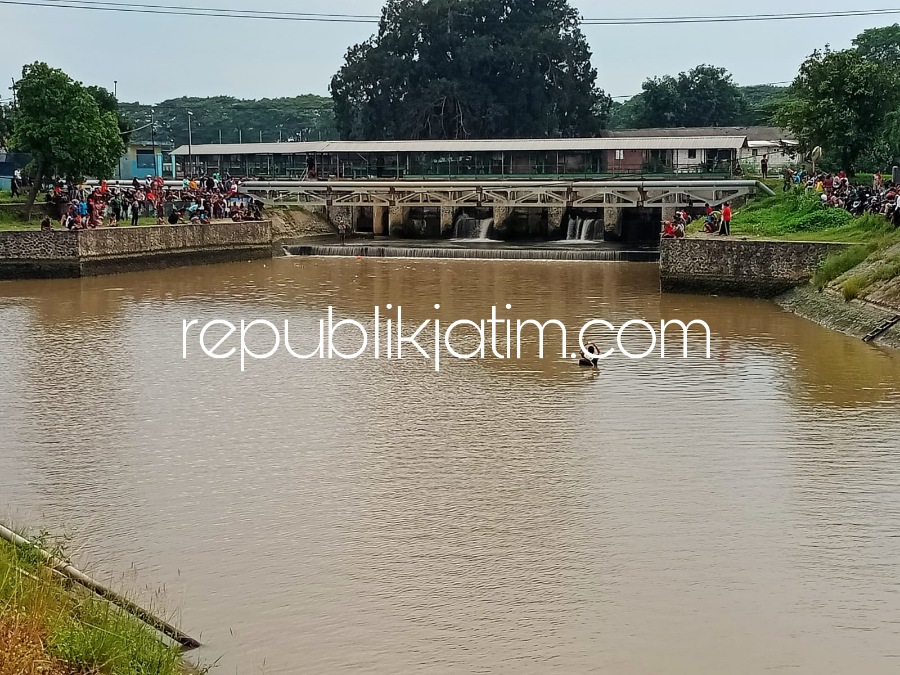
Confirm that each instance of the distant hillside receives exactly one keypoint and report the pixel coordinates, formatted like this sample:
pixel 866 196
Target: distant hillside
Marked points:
pixel 307 117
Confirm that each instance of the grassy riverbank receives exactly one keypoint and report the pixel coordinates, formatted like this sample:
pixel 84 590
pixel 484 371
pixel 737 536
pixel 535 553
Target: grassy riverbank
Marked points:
pixel 868 270
pixel 11 222
pixel 48 628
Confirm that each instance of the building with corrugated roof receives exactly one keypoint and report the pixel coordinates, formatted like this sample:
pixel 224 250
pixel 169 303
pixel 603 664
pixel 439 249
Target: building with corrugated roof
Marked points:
pixel 702 152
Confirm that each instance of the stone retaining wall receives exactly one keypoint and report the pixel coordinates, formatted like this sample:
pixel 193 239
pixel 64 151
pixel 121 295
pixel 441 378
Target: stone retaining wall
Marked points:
pixel 110 250
pixel 38 245
pixel 741 267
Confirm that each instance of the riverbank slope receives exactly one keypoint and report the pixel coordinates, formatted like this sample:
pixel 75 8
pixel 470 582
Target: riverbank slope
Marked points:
pixel 823 264
pixel 47 627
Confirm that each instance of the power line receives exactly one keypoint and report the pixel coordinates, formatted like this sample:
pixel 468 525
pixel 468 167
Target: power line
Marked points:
pixel 177 10
pixel 739 18
pixel 212 13
pixel 249 12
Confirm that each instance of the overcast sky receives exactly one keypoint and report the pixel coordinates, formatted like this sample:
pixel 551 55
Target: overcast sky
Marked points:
pixel 159 57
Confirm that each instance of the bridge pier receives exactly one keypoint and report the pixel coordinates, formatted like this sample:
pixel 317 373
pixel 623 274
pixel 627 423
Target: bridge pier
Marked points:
pixel 613 217
pixel 345 214
pixel 379 216
pixel 501 213
pixel 448 218
pixel 668 213
pixel 397 217
pixel 555 217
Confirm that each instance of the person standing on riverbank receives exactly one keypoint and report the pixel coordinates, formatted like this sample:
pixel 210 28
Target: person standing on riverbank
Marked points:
pixel 725 230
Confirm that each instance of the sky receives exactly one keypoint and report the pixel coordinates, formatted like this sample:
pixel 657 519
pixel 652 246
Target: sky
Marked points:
pixel 154 58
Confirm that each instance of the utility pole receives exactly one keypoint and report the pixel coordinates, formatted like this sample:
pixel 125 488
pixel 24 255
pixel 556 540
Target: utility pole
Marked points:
pixel 260 135
pixel 241 136
pixel 116 89
pixel 220 137
pixel 190 144
pixel 153 137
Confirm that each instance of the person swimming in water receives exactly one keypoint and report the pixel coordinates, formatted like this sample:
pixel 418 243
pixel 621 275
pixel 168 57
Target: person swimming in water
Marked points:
pixel 591 357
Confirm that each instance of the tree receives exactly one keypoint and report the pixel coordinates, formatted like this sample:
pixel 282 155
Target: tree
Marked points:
pixel 763 102
pixel 108 103
pixel 623 114
pixel 470 69
pixel 705 96
pixel 307 117
pixel 840 101
pixel 881 45
pixel 6 126
pixel 60 124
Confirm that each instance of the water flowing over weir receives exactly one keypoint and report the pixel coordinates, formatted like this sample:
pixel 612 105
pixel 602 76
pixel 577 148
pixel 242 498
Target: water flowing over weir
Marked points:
pixel 600 255
pixel 580 228
pixel 469 227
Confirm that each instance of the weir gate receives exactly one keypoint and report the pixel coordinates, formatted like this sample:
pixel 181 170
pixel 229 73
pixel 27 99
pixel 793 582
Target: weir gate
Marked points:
pixel 478 209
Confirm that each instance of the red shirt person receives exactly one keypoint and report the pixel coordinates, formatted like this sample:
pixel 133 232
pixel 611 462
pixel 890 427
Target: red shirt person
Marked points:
pixel 725 230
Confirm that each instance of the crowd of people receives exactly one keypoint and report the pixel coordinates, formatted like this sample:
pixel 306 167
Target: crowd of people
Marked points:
pixel 198 201
pixel 837 191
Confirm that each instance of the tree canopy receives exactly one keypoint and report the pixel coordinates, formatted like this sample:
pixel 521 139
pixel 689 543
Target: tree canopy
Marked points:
pixel 841 101
pixel 59 122
pixel 6 126
pixel 763 102
pixel 307 117
pixel 705 96
pixel 882 45
pixel 470 69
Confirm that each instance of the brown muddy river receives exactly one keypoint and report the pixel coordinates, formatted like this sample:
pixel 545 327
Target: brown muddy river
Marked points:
pixel 733 515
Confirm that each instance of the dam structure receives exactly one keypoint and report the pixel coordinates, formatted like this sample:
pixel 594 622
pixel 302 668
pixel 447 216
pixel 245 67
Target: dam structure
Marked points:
pixel 618 186
pixel 506 210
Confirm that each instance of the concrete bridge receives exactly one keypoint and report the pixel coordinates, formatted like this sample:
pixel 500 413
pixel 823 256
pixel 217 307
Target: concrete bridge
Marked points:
pixel 388 204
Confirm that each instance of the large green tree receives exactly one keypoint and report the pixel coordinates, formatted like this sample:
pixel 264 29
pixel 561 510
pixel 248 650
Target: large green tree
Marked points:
pixel 108 103
pixel 61 125
pixel 307 117
pixel 705 96
pixel 881 45
pixel 470 69
pixel 840 101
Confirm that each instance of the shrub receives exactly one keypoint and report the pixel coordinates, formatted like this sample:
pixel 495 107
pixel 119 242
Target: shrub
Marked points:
pixel 840 263
pixel 851 288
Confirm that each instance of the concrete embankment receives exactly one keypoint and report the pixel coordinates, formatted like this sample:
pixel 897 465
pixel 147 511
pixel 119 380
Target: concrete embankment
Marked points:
pixel 740 267
pixel 780 270
pixel 856 318
pixel 63 254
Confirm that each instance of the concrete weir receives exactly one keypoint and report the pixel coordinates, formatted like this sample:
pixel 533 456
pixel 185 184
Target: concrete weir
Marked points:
pixel 536 252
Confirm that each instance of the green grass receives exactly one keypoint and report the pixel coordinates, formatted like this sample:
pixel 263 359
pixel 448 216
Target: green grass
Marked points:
pixel 74 632
pixel 10 222
pixel 882 268
pixel 787 214
pixel 852 287
pixel 7 198
pixel 838 264
pixel 800 216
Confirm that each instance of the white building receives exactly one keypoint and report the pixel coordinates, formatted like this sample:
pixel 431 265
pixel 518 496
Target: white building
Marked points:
pixel 773 143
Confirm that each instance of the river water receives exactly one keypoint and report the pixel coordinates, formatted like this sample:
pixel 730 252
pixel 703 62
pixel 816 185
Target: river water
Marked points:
pixel 732 515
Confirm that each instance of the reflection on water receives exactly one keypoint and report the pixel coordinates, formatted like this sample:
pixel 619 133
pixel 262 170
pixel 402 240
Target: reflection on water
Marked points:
pixel 731 515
